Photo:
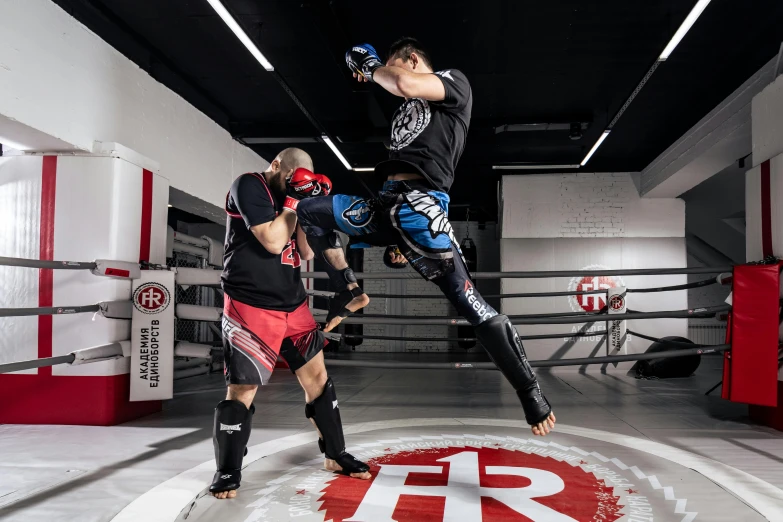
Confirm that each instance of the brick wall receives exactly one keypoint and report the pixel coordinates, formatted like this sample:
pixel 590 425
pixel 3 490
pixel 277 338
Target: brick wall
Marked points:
pixel 590 204
pixel 593 205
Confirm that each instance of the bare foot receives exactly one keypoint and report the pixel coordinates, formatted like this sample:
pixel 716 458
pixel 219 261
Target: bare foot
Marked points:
pixel 543 427
pixel 355 304
pixel 331 465
pixel 225 494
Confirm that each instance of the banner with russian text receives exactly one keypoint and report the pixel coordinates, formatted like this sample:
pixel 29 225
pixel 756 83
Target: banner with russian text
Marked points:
pixel 152 336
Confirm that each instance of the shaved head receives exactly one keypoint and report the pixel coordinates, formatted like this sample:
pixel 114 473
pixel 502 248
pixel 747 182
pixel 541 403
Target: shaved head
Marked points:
pixel 284 165
pixel 293 158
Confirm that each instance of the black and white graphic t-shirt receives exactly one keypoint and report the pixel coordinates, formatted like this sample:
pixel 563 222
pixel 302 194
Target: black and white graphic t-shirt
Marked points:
pixel 251 274
pixel 431 135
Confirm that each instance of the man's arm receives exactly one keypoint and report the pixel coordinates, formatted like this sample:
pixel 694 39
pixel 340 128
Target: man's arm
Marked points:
pixel 254 203
pixel 274 235
pixel 406 84
pixel 305 252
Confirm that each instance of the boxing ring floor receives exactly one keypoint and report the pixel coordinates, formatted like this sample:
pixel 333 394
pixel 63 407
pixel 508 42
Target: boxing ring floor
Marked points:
pixel 623 447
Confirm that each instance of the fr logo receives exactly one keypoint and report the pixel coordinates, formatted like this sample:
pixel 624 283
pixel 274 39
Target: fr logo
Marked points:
pixel 458 484
pixel 591 302
pixel 151 298
pixel 617 302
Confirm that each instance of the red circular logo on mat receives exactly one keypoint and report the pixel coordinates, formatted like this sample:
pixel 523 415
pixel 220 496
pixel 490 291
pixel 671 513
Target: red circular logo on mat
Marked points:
pixel 617 302
pixel 151 298
pixel 466 483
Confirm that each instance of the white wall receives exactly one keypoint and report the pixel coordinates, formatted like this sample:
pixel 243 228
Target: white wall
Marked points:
pixel 767 121
pixel 587 221
pixel 585 205
pixel 61 79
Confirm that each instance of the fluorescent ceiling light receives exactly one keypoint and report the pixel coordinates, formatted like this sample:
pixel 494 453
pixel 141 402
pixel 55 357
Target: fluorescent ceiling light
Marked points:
pixel 336 151
pixel 363 169
pixel 13 145
pixel 686 25
pixel 531 166
pixel 243 37
pixel 595 147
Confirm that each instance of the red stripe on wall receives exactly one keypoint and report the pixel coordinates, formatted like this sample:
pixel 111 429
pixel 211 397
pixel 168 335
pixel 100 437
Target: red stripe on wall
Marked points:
pixel 146 216
pixel 46 252
pixel 766 210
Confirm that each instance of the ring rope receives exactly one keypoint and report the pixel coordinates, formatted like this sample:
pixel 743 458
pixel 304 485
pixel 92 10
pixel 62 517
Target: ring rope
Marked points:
pixel 609 359
pixel 711 311
pixel 539 274
pixel 37 363
pixel 48 310
pixel 472 339
pixel 665 341
pixel 686 286
pixel 41 263
pixel 524 316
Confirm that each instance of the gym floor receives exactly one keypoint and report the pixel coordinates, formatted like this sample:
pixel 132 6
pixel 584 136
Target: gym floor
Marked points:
pixel 82 473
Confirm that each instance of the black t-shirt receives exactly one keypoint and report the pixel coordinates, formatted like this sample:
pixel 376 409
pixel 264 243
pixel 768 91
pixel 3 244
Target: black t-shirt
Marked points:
pixel 430 136
pixel 251 274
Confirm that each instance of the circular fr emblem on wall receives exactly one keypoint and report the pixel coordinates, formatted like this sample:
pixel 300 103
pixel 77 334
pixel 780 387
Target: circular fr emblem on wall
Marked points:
pixel 151 298
pixel 591 302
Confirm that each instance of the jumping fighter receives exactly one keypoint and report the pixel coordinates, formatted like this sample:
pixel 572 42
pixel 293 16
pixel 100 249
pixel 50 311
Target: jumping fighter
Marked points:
pixel 266 312
pixel 428 137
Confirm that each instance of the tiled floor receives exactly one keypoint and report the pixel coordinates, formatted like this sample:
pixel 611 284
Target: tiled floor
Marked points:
pixel 52 473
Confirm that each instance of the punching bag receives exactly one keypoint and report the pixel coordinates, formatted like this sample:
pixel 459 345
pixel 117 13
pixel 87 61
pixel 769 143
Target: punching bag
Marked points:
pixel 470 253
pixel 355 258
pixel 671 367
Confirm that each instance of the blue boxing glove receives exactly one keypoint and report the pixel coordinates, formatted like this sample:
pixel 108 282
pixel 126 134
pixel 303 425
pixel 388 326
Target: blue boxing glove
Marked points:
pixel 362 60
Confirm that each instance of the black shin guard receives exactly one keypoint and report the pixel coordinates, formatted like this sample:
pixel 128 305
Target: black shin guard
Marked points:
pixel 233 422
pixel 326 415
pixel 503 345
pixel 320 244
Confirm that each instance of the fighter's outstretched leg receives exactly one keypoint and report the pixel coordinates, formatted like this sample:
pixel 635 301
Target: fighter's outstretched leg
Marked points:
pixel 317 218
pixel 497 335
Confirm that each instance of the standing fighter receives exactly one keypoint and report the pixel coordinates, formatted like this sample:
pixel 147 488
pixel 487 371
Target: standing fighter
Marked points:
pixel 427 139
pixel 265 311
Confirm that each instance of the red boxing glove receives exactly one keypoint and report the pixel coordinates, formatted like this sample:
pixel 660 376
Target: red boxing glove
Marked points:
pixel 303 184
pixel 326 184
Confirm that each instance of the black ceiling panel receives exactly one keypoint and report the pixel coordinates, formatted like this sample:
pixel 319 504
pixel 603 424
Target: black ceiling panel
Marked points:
pixel 528 62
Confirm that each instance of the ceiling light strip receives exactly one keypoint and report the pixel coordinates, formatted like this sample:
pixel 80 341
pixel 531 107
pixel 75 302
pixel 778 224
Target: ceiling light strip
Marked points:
pixel 686 25
pixel 243 37
pixel 530 166
pixel 595 147
pixel 336 151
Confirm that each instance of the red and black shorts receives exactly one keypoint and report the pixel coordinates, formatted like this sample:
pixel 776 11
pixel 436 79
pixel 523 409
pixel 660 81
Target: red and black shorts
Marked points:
pixel 253 337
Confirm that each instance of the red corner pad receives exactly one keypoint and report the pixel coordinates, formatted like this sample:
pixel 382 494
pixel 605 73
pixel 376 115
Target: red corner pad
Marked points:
pixel 751 370
pixel 75 400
